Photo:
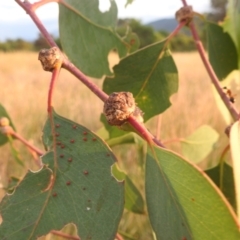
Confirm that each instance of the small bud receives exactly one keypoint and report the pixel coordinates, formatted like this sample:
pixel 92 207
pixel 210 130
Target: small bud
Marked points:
pixel 184 14
pixel 50 58
pixel 119 107
pixel 4 122
pixel 6 130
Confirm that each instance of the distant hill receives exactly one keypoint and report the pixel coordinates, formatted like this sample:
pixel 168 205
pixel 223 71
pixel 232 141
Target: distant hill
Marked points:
pixel 166 24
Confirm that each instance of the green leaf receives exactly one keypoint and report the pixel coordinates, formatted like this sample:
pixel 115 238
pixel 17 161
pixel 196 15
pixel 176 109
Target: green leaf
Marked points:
pixel 87 36
pixel 128 2
pixel 222 176
pixel 132 39
pixel 183 203
pixel 222 51
pixel 231 24
pixel 133 198
pixel 199 144
pixel 113 131
pixel 12 183
pixel 150 75
pixel 3 113
pixel 84 191
pixel 235 152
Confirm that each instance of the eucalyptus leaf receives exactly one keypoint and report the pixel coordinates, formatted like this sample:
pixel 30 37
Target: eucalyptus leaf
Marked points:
pixel 231 24
pixel 199 144
pixel 183 203
pixel 74 186
pixel 133 198
pixel 222 176
pixel 150 75
pixel 87 35
pixel 221 50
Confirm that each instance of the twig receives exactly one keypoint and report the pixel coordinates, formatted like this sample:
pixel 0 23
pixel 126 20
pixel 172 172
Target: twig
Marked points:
pixel 118 237
pixel 27 6
pixel 55 75
pixel 35 149
pixel 173 140
pixel 233 111
pixel 64 235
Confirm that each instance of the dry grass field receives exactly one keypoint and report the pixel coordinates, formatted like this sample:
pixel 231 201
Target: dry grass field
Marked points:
pixel 24 89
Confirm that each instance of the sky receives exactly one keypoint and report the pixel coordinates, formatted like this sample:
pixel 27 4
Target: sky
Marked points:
pixel 15 23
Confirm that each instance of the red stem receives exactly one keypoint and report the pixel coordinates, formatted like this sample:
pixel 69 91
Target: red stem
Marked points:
pixel 35 149
pixel 119 237
pixel 28 7
pixel 211 73
pixel 64 235
pixel 55 74
pixel 85 80
pixel 173 140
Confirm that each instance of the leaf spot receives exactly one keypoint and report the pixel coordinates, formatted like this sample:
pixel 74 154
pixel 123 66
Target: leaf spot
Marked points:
pixel 85 139
pixel 72 141
pixel 54 194
pixel 70 160
pixel 85 172
pixel 61 155
pixel 68 183
pixel 74 126
pixel 57 125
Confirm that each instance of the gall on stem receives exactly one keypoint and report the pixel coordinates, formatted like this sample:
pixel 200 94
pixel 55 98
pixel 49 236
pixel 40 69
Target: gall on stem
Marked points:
pixel 51 60
pixel 121 110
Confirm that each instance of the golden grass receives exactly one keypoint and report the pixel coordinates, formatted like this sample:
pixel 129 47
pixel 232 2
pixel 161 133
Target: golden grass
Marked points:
pixel 24 89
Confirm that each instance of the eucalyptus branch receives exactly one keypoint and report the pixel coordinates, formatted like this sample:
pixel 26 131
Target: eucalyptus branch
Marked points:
pixel 233 111
pixel 30 9
pixel 28 144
